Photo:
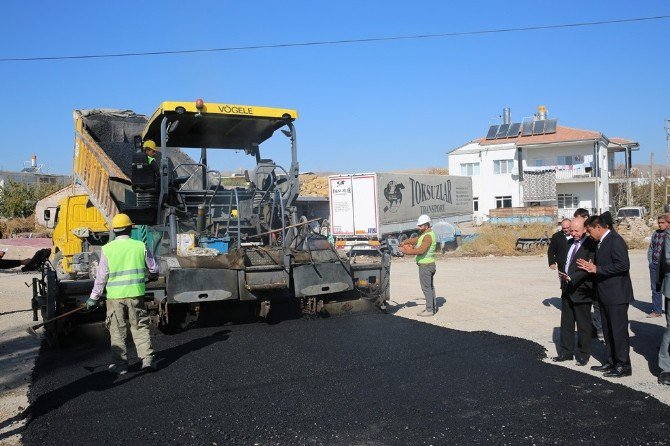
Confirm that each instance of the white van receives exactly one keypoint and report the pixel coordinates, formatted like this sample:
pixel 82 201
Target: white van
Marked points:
pixel 634 212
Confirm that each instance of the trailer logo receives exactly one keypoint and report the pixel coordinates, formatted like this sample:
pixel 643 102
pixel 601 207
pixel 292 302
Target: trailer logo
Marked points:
pixel 422 192
pixel 340 188
pixel 393 194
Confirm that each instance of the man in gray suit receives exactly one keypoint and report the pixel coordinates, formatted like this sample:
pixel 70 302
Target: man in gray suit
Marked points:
pixel 664 275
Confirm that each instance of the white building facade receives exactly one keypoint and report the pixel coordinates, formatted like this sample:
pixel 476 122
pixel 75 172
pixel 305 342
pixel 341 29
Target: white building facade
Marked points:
pixel 580 167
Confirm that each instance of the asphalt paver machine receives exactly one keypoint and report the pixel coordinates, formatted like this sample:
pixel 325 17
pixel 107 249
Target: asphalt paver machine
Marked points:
pixel 243 242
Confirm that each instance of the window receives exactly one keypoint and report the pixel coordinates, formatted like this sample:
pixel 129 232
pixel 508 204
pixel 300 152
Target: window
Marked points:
pixel 469 169
pixel 569 160
pixel 538 163
pixel 504 201
pixel 567 201
pixel 475 204
pixel 503 166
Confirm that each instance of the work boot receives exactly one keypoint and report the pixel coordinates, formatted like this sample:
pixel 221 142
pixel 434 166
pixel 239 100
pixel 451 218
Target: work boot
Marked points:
pixel 425 313
pixel 118 369
pixel 148 364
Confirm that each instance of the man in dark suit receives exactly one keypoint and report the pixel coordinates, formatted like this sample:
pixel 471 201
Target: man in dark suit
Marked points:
pixel 558 246
pixel 615 293
pixel 577 297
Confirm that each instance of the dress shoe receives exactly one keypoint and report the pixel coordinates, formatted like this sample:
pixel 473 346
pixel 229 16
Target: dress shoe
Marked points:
pixel 664 378
pixel 561 358
pixel 582 361
pixel 603 368
pixel 619 371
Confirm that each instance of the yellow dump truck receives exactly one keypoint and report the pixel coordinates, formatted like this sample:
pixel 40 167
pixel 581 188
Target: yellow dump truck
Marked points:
pixel 79 231
pixel 103 141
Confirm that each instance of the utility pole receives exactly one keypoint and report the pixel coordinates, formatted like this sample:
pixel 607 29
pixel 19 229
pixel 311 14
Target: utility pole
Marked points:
pixel 652 209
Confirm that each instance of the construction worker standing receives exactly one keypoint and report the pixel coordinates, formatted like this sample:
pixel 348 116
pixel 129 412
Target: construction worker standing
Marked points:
pixel 121 272
pixel 423 247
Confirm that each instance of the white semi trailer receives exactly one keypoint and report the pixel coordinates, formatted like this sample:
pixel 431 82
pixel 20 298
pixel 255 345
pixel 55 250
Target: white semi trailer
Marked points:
pixel 369 208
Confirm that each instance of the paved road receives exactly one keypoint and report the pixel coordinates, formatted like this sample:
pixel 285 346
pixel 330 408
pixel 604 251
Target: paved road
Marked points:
pixel 368 379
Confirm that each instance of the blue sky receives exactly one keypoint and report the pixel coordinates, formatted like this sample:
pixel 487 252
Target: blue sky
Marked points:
pixel 363 107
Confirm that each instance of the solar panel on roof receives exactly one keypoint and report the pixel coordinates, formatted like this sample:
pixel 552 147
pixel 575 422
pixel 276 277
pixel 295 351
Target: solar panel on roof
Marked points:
pixel 527 129
pixel 513 131
pixel 550 126
pixel 493 130
pixel 502 131
pixel 538 127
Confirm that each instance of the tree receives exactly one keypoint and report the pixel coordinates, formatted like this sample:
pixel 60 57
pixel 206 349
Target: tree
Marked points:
pixel 641 194
pixel 19 199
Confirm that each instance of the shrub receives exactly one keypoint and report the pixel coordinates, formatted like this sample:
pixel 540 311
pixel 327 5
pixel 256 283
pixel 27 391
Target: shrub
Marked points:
pixel 500 240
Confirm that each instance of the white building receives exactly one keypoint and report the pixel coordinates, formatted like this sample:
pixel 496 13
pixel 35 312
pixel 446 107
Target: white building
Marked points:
pixel 540 163
pixel 31 174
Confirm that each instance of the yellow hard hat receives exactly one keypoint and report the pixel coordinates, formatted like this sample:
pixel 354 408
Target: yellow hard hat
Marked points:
pixel 149 144
pixel 121 221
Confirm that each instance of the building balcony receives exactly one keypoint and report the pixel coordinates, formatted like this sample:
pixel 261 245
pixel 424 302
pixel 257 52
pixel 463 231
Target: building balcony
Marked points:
pixel 566 174
pixel 620 176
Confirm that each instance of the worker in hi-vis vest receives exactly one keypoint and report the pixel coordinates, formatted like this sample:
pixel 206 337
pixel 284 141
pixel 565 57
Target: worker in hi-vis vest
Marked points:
pixel 122 273
pixel 150 150
pixel 423 247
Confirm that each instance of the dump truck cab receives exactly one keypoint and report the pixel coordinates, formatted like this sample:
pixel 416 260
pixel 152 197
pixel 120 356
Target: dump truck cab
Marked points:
pixel 79 231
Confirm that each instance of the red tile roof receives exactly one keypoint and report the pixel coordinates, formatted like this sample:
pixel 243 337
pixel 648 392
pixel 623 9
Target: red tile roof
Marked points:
pixel 622 141
pixel 563 134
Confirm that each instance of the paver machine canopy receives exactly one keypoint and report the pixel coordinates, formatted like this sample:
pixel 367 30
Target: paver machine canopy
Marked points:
pixel 201 202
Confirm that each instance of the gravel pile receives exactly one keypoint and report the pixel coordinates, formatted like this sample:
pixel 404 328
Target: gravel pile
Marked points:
pixel 114 131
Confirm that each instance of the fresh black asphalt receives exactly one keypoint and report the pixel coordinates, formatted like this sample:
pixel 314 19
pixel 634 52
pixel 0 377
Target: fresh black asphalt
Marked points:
pixel 370 379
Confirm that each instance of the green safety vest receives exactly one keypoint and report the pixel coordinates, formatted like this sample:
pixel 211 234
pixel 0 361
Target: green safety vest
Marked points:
pixel 428 256
pixel 125 258
pixel 150 159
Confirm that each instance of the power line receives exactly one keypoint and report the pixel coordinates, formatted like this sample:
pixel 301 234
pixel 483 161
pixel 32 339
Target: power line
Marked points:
pixel 337 42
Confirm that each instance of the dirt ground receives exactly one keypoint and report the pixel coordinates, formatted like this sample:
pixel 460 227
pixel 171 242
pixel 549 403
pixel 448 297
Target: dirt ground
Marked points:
pixel 515 296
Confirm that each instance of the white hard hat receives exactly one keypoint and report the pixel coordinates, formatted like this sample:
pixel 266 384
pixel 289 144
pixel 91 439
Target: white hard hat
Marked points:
pixel 423 219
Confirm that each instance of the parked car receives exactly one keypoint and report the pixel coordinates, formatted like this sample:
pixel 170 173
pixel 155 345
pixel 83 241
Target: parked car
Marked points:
pixel 634 212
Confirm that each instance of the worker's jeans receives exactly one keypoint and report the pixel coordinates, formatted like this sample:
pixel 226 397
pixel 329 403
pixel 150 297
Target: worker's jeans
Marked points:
pixel 426 275
pixel 663 353
pixel 122 313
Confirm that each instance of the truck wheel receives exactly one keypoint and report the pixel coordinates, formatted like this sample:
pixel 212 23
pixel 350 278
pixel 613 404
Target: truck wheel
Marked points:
pixel 60 271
